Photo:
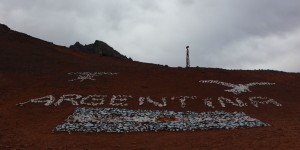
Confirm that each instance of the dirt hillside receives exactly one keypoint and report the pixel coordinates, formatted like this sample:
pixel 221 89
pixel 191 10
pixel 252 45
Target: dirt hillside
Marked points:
pixel 31 68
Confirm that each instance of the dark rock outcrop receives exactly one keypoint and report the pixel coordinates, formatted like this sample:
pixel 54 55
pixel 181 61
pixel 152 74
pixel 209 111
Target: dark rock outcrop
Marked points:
pixel 4 28
pixel 98 47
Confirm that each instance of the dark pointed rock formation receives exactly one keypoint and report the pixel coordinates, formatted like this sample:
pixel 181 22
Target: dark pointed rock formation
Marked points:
pixel 98 47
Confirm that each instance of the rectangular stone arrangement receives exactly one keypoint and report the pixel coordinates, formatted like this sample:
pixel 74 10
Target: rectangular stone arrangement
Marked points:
pixel 125 120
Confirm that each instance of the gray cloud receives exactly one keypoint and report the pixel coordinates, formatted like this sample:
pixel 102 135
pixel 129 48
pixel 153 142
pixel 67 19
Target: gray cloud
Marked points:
pixel 233 34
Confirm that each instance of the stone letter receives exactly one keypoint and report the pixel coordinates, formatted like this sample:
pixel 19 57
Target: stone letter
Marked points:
pixel 48 100
pixel 120 98
pixel 149 100
pixel 100 98
pixel 238 103
pixel 68 97
pixel 208 102
pixel 263 100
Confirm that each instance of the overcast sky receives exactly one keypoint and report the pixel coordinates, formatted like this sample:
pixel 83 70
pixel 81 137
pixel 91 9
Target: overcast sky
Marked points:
pixel 231 34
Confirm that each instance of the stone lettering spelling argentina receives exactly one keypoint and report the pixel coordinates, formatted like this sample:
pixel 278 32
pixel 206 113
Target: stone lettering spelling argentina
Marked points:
pixel 123 101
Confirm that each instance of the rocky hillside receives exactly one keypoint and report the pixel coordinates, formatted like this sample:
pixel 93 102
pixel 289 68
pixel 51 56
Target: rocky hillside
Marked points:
pixel 98 47
pixel 42 84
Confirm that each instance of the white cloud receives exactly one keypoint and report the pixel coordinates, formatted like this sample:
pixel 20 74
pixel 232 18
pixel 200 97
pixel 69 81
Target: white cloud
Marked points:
pixel 249 34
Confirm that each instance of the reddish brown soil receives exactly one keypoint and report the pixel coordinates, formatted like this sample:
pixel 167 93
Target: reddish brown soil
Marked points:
pixel 32 68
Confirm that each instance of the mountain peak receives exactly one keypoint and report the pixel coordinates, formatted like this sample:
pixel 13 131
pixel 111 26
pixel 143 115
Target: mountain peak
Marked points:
pixel 98 42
